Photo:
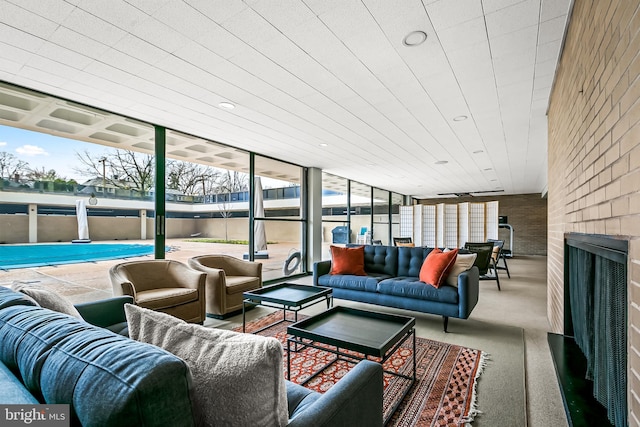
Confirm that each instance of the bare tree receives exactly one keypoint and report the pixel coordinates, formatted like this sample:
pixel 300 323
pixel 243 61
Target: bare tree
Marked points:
pixel 191 178
pixel 44 175
pixel 124 168
pixel 229 182
pixel 11 166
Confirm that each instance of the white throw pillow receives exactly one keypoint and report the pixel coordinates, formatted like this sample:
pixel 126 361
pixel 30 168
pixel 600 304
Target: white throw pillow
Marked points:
pixel 48 299
pixel 463 263
pixel 238 378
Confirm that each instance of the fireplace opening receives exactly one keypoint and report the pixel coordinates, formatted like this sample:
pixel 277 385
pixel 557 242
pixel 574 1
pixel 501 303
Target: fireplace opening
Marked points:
pixel 591 356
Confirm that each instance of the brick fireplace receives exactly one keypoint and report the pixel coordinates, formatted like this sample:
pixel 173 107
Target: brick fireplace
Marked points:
pixel 591 356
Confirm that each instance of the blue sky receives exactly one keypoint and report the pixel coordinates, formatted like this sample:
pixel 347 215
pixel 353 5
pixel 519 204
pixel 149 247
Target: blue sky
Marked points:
pixel 44 150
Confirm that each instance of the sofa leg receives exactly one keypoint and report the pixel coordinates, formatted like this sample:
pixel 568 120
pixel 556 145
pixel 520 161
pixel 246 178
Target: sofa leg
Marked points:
pixel 446 323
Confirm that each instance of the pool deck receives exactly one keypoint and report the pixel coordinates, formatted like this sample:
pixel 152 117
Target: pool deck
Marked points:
pixel 89 281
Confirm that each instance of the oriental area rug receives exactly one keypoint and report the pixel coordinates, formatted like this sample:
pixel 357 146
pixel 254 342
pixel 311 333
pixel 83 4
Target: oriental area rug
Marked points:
pixel 444 393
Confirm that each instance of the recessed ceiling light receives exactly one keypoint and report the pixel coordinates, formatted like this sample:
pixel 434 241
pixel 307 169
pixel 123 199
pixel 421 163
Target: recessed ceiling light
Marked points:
pixel 414 38
pixel 323 145
pixel 226 105
pixel 441 162
pixel 478 152
pixel 460 118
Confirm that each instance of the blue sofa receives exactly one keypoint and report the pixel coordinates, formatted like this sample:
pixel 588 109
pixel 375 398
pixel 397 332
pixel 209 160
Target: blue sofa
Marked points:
pixel 110 380
pixel 392 281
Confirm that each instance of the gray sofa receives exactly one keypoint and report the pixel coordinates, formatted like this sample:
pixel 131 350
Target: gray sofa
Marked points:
pixel 111 380
pixel 392 281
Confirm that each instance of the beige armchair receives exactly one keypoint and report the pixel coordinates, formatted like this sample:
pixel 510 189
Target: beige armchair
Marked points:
pixel 162 285
pixel 227 279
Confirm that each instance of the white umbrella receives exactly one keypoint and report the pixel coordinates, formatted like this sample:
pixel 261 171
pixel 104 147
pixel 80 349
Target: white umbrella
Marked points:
pixel 259 232
pixel 83 224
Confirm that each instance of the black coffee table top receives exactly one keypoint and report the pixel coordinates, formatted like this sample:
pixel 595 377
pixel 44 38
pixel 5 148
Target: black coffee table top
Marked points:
pixel 287 294
pixel 367 332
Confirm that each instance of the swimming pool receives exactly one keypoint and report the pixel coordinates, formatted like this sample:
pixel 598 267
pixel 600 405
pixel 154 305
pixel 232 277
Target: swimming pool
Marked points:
pixel 38 255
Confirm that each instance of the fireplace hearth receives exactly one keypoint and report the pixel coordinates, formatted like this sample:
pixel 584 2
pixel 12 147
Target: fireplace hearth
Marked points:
pixel 591 356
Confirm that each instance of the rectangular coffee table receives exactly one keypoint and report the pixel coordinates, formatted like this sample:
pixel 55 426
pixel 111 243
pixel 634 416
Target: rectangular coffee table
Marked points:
pixel 287 297
pixel 377 335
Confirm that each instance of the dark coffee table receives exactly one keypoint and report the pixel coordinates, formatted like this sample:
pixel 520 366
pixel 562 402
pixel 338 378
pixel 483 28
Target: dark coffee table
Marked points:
pixel 377 335
pixel 287 297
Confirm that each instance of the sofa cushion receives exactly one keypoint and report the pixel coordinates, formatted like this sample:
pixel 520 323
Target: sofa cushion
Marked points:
pixel 436 266
pixel 347 260
pixel 48 299
pixel 412 287
pixel 238 378
pixel 463 263
pixel 347 281
pixel 410 261
pixel 106 379
pixel 381 260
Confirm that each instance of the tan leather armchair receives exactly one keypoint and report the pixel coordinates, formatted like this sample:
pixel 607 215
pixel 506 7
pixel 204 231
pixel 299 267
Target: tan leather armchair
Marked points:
pixel 162 285
pixel 227 279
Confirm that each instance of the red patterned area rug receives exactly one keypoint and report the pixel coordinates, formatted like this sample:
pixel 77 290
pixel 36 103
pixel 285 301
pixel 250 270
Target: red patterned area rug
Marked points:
pixel 443 395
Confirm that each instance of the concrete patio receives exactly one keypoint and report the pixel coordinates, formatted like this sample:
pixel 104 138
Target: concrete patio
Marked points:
pixel 89 281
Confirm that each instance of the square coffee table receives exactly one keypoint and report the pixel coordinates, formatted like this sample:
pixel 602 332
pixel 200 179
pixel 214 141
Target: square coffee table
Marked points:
pixel 287 297
pixel 372 334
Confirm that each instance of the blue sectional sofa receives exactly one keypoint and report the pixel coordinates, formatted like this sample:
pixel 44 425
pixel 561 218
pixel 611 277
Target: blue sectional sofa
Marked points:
pixel 392 281
pixel 110 380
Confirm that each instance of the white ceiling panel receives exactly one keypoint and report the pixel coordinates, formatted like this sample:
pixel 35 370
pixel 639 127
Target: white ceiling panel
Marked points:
pixel 464 35
pixel 26 20
pixel 449 13
pixel 552 9
pixel 513 18
pixel 312 72
pixel 89 25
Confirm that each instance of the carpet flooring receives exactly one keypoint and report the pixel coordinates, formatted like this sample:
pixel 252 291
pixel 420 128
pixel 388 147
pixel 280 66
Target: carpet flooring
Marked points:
pixel 444 393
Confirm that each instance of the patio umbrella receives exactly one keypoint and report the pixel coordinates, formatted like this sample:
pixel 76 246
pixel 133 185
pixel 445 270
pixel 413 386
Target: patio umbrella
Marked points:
pixel 83 224
pixel 259 232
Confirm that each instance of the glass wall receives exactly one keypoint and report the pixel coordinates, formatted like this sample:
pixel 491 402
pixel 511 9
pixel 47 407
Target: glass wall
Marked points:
pixel 279 224
pixel 361 210
pixel 207 187
pixel 380 216
pixel 207 200
pixel 397 200
pixel 334 212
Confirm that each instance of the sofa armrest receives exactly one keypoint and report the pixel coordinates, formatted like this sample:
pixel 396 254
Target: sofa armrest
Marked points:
pixel 355 400
pixel 12 391
pixel 468 291
pixel 104 312
pixel 241 267
pixel 320 268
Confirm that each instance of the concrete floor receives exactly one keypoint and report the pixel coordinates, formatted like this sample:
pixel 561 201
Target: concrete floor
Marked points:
pixel 520 304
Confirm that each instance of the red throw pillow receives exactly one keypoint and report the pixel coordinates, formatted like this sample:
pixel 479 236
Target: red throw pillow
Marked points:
pixel 347 260
pixel 436 266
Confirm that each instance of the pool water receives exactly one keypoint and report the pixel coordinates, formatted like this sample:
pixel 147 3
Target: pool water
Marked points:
pixel 38 255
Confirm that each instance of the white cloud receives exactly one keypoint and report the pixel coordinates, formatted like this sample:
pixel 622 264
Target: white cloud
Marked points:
pixel 32 150
pixel 2 143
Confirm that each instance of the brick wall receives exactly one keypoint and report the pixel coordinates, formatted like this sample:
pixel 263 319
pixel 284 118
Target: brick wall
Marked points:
pixel 527 214
pixel 594 151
